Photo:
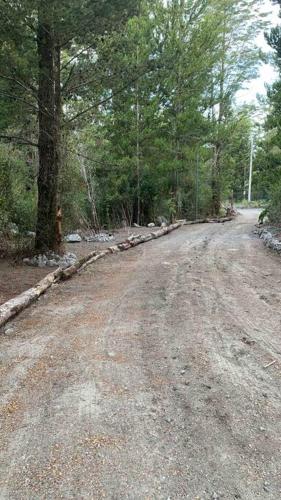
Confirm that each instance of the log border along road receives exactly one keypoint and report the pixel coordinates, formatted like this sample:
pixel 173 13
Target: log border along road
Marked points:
pixel 144 377
pixel 17 304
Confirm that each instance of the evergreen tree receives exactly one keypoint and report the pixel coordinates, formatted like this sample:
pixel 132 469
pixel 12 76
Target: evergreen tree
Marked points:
pixel 130 106
pixel 54 27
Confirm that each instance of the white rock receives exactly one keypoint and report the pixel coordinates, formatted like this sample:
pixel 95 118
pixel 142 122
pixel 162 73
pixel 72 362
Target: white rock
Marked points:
pixel 73 238
pixel 99 237
pixel 27 261
pixel 8 331
pixel 13 228
pixel 52 263
pixel 269 240
pixel 52 260
pixel 151 224
pixel 71 256
pixel 161 219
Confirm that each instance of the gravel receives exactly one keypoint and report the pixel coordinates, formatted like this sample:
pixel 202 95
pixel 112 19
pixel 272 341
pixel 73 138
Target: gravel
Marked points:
pixel 51 260
pixel 79 387
pixel 270 239
pixel 99 237
pixel 73 238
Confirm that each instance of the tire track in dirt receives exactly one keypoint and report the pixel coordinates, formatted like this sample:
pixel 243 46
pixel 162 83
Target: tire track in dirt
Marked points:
pixel 138 383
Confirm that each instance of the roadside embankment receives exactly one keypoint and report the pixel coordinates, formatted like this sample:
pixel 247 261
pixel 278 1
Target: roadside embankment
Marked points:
pixel 271 237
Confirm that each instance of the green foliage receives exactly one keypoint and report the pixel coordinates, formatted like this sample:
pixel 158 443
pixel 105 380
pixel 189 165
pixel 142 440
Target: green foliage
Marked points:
pixel 148 98
pixel 263 215
pixel 17 190
pixel 268 160
pixel 274 209
pixel 5 190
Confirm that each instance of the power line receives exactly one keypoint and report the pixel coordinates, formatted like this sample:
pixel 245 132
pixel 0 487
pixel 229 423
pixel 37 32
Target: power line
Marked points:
pixel 19 140
pixel 23 141
pixel 107 99
pixel 17 98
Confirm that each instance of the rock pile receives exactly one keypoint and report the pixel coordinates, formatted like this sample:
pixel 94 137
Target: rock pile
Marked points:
pixel 99 237
pixel 95 237
pixel 51 260
pixel 73 238
pixel 13 228
pixel 162 221
pixel 270 240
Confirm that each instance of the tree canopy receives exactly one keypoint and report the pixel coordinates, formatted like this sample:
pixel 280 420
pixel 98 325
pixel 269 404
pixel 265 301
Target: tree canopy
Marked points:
pixel 122 110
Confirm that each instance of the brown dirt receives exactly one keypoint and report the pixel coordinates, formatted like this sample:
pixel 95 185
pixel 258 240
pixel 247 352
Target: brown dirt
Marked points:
pixel 16 277
pixel 144 378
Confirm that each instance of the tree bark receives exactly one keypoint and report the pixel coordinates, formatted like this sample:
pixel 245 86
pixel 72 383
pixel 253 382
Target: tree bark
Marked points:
pixel 58 247
pixel 216 183
pixel 216 170
pixel 90 184
pixel 49 128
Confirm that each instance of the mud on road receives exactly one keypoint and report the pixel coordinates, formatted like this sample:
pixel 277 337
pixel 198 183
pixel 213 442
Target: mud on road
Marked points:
pixel 144 378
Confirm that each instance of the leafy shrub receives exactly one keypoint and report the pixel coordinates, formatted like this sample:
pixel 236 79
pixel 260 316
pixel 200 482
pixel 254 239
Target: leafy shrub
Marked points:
pixel 17 190
pixel 274 209
pixel 263 215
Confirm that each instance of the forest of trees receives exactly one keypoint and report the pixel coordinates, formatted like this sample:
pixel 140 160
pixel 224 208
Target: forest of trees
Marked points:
pixel 123 110
pixel 268 157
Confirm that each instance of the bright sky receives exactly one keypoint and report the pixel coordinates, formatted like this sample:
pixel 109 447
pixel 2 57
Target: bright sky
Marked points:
pixel 267 72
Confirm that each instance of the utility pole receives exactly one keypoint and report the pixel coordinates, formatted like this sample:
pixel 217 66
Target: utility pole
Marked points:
pixel 251 170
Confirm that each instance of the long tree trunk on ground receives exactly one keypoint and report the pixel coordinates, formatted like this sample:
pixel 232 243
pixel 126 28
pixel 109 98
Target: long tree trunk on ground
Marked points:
pixel 49 128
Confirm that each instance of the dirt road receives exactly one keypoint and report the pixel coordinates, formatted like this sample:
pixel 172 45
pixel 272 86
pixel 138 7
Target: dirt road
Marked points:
pixel 144 377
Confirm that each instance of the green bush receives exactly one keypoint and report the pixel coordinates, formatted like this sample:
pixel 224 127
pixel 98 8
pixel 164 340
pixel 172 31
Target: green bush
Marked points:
pixel 17 190
pixel 274 209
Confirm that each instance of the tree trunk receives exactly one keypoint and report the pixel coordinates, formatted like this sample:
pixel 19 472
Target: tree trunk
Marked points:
pixel 216 170
pixel 49 128
pixel 216 182
pixel 58 247
pixel 90 184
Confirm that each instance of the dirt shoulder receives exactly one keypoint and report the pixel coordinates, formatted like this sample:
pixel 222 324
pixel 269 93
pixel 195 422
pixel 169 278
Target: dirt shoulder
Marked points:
pixel 16 277
pixel 271 235
pixel 144 376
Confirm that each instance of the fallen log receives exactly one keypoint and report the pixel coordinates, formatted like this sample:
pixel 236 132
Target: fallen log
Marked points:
pixel 135 242
pixel 270 364
pixel 170 228
pixel 197 221
pixel 145 237
pixel 159 233
pixel 69 271
pixel 217 220
pixel 125 245
pixel 13 306
pixel 114 249
pixel 94 259
pixel 221 220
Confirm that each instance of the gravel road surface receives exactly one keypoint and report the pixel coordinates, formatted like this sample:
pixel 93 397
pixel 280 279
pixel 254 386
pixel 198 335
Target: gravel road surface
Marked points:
pixel 144 377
